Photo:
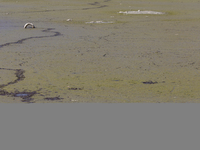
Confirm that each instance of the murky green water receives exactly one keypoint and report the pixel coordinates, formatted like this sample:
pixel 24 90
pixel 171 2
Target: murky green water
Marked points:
pixel 86 51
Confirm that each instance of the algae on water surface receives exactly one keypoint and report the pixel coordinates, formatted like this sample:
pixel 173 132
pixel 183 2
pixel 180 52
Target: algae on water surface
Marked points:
pixel 136 58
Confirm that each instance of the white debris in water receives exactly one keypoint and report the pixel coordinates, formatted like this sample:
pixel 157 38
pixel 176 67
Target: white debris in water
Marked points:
pixel 74 100
pixel 99 22
pixel 146 12
pixel 69 20
pixel 27 24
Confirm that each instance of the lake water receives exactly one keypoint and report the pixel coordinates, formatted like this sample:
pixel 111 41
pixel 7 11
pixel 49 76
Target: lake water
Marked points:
pixel 89 51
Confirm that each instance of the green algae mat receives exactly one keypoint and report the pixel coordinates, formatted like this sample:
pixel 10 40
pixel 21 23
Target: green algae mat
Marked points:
pixel 87 51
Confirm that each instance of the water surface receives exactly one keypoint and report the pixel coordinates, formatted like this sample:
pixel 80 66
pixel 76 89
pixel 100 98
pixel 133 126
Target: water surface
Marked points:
pixel 114 58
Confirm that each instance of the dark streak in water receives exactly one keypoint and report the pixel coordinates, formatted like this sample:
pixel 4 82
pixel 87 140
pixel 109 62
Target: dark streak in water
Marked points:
pixel 102 6
pixel 26 96
pixel 35 37
pixel 75 88
pixel 150 82
pixel 53 98
pixel 95 3
pixel 19 73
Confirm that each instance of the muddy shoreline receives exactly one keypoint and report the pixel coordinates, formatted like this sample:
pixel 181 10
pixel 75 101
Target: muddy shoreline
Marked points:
pixel 115 58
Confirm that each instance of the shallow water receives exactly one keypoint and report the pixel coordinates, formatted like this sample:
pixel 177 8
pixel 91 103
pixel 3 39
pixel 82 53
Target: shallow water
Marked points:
pixel 113 58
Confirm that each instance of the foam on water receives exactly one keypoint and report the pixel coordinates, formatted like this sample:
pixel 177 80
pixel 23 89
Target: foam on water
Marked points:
pixel 139 12
pixel 99 22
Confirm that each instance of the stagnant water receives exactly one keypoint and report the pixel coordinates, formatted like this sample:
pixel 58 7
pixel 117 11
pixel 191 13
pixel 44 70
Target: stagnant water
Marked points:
pixel 99 51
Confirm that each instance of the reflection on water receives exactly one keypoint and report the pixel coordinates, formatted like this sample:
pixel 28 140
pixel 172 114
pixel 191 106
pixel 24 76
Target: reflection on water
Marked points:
pixel 7 25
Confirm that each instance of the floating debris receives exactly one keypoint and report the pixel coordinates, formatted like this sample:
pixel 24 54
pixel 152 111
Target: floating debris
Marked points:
pixel 139 12
pixel 69 20
pixel 29 24
pixel 74 100
pixel 99 22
